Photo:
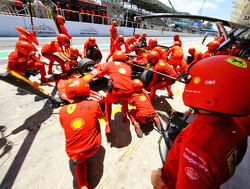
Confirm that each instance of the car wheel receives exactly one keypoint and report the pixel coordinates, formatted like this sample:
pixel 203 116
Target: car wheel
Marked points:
pixel 85 65
pixel 94 54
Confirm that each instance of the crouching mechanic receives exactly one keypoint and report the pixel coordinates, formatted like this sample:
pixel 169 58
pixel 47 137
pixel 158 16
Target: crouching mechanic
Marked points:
pixel 91 42
pixel 52 47
pixel 161 66
pixel 120 86
pixel 81 127
pixel 206 153
pixel 73 55
pixel 144 111
pixel 23 58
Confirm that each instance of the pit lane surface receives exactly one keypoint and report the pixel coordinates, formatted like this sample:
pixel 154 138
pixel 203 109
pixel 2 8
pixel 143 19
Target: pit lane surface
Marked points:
pixel 32 143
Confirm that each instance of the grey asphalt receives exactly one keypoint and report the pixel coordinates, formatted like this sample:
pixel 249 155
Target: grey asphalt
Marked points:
pixel 32 143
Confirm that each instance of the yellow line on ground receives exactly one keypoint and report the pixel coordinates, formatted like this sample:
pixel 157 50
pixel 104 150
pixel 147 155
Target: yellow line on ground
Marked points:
pixel 117 109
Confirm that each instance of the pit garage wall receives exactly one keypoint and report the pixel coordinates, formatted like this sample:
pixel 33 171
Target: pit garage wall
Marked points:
pixel 46 27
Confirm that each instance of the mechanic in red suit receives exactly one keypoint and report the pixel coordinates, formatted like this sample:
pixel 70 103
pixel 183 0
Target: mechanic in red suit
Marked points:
pixel 24 38
pixel 117 46
pixel 211 49
pixel 52 47
pixel 73 55
pixel 197 55
pixel 176 55
pixel 206 153
pixel 177 38
pixel 153 45
pixel 91 42
pixel 161 66
pixel 132 41
pixel 144 111
pixel 81 127
pixel 22 59
pixel 113 34
pixel 121 86
pixel 143 38
pixel 61 21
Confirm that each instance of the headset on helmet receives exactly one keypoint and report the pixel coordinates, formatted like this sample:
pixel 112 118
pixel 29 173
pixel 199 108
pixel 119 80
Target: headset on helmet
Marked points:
pixel 137 84
pixel 152 42
pixel 144 35
pixel 63 39
pixel 74 51
pixel 191 50
pixel 24 47
pixel 153 57
pixel 114 23
pixel 92 41
pixel 119 56
pixel 226 93
pixel 137 35
pixel 213 45
pixel 77 87
pixel 176 37
pixel 177 43
pixel 60 19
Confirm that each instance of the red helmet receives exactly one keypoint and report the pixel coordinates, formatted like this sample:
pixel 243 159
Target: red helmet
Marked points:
pixel 137 84
pixel 63 39
pixel 120 38
pixel 225 93
pixel 176 37
pixel 23 38
pixel 191 50
pixel 137 35
pixel 114 23
pixel 152 42
pixel 153 57
pixel 60 19
pixel 177 43
pixel 92 41
pixel 144 35
pixel 74 51
pixel 24 47
pixel 77 87
pixel 213 45
pixel 119 56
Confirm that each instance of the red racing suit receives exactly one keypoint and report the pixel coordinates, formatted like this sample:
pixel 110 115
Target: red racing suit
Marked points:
pixel 161 53
pixel 117 46
pixel 142 39
pixel 144 111
pixel 131 41
pixel 19 62
pixel 73 61
pixel 48 51
pixel 113 36
pixel 205 154
pixel 197 56
pixel 209 53
pixel 162 67
pixel 120 75
pixel 63 30
pixel 176 56
pixel 86 48
pixel 82 133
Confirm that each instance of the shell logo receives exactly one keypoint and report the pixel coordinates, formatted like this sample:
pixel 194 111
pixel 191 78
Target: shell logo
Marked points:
pixel 162 64
pixel 71 108
pixel 122 71
pixel 86 77
pixel 197 80
pixel 142 98
pixel 77 124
